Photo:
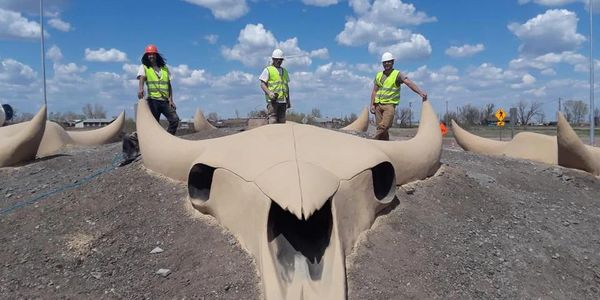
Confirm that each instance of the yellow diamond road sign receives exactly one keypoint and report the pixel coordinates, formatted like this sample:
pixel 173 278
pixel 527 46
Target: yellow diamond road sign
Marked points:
pixel 500 115
pixel 500 124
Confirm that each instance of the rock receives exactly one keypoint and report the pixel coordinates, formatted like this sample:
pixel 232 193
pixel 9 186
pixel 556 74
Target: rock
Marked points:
pixel 156 250
pixel 163 272
pixel 96 275
pixel 8 195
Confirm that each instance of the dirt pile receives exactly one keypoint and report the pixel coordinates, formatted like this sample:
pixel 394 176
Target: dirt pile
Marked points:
pixel 75 226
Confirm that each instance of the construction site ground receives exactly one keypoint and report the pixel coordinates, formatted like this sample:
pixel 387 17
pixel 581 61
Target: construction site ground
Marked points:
pixel 76 226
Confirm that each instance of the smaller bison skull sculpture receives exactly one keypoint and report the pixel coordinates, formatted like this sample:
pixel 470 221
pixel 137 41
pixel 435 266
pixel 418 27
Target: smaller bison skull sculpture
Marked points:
pixel 296 196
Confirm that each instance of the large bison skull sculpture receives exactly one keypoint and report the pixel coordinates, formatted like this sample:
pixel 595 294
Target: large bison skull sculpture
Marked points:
pixel 296 196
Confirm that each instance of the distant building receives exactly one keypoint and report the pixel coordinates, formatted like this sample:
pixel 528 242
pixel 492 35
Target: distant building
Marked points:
pixel 90 123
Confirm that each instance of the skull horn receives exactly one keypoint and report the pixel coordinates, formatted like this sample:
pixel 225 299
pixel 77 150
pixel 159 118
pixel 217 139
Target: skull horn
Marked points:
pixel 572 153
pixel 360 124
pixel 20 142
pixel 418 157
pixel 200 122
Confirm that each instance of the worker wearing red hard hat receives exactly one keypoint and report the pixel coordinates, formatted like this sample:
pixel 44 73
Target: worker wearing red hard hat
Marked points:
pixel 154 74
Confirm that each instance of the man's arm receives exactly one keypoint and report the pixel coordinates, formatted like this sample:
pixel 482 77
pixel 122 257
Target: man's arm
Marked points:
pixel 171 102
pixel 263 86
pixel 415 88
pixel 373 94
pixel 289 103
pixel 141 81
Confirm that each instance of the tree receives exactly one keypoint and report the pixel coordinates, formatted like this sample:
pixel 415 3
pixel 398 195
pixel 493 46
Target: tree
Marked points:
pixel 597 116
pixel 315 113
pixel 487 111
pixel 541 117
pixel 94 112
pixel 257 114
pixel 575 111
pixel 450 116
pixel 402 116
pixel 469 114
pixel 213 116
pixel 526 111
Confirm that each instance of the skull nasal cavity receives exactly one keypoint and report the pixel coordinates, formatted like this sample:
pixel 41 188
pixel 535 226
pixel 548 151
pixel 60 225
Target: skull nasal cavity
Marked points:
pixel 200 181
pixel 384 180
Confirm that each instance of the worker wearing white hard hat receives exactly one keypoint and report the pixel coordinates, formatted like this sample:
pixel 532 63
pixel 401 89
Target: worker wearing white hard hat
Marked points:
pixel 386 95
pixel 274 81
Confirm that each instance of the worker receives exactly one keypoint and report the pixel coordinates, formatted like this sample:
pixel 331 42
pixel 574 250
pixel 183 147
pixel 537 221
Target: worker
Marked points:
pixel 386 95
pixel 154 74
pixel 274 82
pixel 443 128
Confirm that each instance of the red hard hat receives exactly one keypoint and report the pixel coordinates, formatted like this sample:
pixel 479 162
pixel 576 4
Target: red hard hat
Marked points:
pixel 151 49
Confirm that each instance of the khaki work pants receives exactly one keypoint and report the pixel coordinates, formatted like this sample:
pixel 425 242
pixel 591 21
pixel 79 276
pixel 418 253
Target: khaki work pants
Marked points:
pixel 384 118
pixel 276 112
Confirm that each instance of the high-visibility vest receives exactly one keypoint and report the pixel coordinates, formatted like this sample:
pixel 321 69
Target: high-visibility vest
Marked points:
pixel 158 88
pixel 388 92
pixel 277 84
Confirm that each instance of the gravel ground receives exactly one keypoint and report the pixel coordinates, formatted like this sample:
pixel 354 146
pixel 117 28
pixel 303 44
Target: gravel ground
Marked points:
pixel 74 226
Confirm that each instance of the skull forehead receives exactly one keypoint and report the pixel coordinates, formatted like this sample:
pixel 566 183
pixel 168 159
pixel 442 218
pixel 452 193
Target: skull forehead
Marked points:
pixel 254 152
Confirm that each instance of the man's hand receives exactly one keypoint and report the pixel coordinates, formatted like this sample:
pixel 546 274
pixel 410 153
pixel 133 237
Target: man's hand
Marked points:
pixel 141 94
pixel 424 96
pixel 373 109
pixel 172 104
pixel 272 96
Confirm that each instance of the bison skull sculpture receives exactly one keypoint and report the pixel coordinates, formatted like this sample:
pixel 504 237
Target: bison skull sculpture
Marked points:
pixel 295 196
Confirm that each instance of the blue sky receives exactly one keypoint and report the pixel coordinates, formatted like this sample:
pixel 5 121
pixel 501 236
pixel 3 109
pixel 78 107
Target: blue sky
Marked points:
pixel 460 52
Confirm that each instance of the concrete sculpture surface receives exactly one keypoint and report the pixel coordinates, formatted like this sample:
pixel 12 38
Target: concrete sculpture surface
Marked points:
pixel 19 143
pixel 2 115
pixel 296 196
pixel 200 122
pixel 361 123
pixel 525 145
pixel 572 153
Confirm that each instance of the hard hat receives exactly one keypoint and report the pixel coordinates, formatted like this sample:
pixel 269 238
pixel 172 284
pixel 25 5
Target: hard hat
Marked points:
pixel 387 56
pixel 277 53
pixel 151 49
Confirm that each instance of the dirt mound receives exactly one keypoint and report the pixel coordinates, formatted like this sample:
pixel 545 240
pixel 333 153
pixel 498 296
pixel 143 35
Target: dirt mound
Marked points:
pixel 76 226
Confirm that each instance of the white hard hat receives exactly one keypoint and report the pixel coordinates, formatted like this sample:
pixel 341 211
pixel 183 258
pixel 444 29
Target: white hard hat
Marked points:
pixel 277 53
pixel 387 56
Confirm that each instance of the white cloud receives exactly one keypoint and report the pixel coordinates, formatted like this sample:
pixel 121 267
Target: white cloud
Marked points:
pixel 321 3
pixel 14 72
pixel 51 8
pixel 255 45
pixel 465 50
pixel 60 24
pixel 526 81
pixel 223 9
pixel 547 61
pixel 211 38
pixel 54 53
pixel 553 31
pixel 131 69
pixel 322 53
pixel 69 72
pixel 103 55
pixel 14 25
pixel 376 24
pixel 417 47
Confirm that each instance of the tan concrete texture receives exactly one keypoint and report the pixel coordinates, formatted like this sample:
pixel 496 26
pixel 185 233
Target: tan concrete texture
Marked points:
pixel 572 152
pixel 525 145
pixel 200 122
pixel 296 196
pixel 19 142
pixel 361 123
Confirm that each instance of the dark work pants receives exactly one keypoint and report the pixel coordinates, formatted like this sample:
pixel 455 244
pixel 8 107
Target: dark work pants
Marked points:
pixel 158 107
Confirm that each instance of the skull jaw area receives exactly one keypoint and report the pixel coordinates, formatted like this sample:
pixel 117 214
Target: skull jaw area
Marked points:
pixel 297 259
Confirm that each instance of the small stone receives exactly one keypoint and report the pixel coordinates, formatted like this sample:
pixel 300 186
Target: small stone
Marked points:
pixel 96 275
pixel 156 250
pixel 555 256
pixel 163 272
pixel 409 190
pixel 8 195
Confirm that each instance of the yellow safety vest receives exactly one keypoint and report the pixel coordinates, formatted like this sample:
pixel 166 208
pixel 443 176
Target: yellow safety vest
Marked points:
pixel 388 92
pixel 158 88
pixel 277 84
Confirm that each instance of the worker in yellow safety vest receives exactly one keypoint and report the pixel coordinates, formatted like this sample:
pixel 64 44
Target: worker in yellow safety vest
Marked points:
pixel 386 95
pixel 274 82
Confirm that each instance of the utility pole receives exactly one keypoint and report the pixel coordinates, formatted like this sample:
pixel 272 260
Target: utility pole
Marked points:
pixel 409 114
pixel 446 118
pixel 592 124
pixel 43 51
pixel 559 105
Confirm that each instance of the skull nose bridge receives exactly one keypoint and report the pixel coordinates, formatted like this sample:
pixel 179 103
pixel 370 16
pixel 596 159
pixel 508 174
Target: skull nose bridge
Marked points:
pixel 297 186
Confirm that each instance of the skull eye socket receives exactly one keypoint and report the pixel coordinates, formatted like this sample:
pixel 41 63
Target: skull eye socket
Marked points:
pixel 200 182
pixel 384 181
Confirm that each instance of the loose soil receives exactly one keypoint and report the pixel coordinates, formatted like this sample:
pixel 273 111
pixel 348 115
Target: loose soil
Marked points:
pixel 75 226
